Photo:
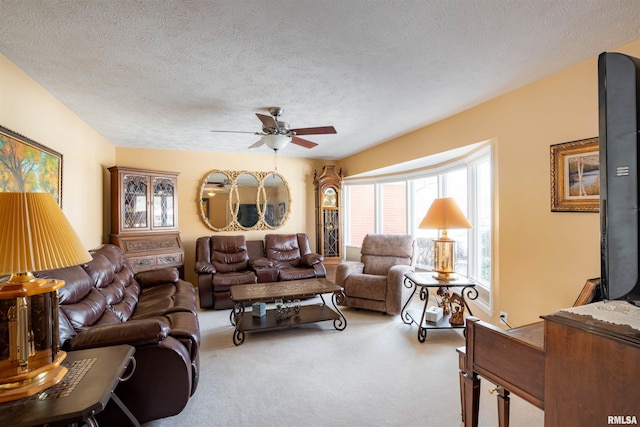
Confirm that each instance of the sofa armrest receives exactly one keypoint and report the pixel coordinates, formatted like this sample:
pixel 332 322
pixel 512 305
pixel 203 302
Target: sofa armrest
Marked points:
pixel 162 276
pixel 347 268
pixel 134 332
pixel 309 260
pixel 260 263
pixel 204 267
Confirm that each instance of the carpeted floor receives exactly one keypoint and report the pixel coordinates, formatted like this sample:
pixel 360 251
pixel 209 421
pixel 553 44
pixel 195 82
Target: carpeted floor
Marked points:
pixel 374 373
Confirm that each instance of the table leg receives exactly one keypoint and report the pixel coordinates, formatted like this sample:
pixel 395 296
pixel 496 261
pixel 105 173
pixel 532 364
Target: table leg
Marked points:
pixel 471 399
pixel 238 336
pixel 504 402
pixel 471 293
pixel 404 314
pixel 422 330
pixel 236 312
pixel 338 298
pixel 124 409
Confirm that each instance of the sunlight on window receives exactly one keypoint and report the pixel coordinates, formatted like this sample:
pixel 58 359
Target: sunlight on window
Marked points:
pixel 394 207
pixel 361 212
pixel 398 207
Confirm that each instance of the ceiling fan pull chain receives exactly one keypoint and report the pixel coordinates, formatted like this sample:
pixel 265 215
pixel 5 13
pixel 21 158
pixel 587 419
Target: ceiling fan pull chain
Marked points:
pixel 275 160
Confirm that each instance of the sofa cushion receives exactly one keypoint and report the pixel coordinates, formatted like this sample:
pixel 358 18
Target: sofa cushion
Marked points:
pixel 89 312
pixel 115 282
pixel 162 299
pixel 382 251
pixel 366 286
pixel 229 253
pixel 223 282
pixel 297 273
pixel 283 249
pixel 380 265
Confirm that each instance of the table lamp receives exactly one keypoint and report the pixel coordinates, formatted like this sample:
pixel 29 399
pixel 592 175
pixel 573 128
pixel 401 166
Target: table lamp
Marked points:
pixel 35 235
pixel 444 214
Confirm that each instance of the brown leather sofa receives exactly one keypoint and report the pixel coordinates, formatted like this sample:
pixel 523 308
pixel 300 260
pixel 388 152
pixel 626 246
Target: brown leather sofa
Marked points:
pixel 102 303
pixel 224 261
pixel 221 262
pixel 291 256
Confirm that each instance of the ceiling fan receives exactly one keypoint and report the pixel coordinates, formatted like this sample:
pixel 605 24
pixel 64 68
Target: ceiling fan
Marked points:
pixel 277 134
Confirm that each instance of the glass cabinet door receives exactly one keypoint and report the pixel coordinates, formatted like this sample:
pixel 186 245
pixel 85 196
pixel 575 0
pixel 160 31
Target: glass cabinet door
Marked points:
pixel 135 207
pixel 164 202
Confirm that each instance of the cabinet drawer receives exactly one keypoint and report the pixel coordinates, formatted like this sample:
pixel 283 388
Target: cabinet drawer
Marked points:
pixel 169 259
pixel 140 263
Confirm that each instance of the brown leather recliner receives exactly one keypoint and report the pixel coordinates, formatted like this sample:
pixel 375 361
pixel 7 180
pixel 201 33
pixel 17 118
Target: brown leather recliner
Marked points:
pixel 221 262
pixel 291 255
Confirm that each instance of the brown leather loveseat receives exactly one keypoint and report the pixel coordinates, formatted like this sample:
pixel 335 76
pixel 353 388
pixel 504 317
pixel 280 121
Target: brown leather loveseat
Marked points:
pixel 224 261
pixel 102 303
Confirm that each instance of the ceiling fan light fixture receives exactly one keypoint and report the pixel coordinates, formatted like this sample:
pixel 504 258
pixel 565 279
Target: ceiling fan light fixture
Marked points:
pixel 277 141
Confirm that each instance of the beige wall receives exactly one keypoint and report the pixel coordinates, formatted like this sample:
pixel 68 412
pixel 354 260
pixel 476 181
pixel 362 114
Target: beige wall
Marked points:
pixel 194 166
pixel 542 258
pixel 28 109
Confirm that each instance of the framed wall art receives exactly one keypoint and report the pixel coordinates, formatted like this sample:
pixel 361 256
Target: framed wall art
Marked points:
pixel 26 166
pixel 575 176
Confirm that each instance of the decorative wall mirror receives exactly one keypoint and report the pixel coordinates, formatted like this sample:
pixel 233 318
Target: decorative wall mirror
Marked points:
pixel 243 200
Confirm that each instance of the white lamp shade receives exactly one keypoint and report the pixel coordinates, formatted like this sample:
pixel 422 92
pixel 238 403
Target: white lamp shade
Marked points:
pixel 276 142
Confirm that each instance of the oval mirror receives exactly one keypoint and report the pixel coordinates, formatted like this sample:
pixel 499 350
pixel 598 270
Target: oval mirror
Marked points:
pixel 242 200
pixel 247 197
pixel 277 200
pixel 215 206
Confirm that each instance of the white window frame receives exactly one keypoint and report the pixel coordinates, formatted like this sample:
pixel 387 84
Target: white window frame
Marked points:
pixel 470 161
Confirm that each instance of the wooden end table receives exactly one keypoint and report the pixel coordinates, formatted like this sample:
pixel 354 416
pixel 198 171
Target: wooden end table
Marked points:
pixel 83 392
pixel 426 281
pixel 245 295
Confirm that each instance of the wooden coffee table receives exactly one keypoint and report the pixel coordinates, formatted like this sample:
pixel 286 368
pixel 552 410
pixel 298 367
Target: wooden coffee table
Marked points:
pixel 245 295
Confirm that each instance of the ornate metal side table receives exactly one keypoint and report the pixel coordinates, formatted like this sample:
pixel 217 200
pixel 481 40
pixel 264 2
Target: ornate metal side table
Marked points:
pixel 426 281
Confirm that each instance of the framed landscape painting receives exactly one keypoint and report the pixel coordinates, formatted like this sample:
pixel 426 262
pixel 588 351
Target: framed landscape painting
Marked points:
pixel 575 176
pixel 26 166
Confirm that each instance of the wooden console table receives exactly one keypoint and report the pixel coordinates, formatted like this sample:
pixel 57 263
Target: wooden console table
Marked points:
pixel 83 392
pixel 580 370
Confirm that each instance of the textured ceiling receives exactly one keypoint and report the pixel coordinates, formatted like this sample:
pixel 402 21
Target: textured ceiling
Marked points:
pixel 164 73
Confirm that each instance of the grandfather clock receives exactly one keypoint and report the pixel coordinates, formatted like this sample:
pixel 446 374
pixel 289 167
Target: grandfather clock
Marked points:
pixel 328 214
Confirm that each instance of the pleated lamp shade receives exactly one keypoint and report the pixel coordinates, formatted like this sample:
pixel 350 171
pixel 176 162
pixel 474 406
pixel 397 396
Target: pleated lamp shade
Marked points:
pixel 444 214
pixel 35 235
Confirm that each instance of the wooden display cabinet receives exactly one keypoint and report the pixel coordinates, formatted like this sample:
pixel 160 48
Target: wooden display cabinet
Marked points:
pixel 328 214
pixel 144 218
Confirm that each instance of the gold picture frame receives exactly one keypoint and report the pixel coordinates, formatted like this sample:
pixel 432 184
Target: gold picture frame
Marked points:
pixel 26 166
pixel 575 176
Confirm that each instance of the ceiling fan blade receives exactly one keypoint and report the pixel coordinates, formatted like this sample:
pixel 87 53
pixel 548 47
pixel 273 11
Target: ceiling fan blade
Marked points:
pixel 267 121
pixel 302 142
pixel 257 144
pixel 315 131
pixel 234 131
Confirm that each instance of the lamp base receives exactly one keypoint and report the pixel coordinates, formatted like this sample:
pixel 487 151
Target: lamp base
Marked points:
pixel 21 386
pixel 444 276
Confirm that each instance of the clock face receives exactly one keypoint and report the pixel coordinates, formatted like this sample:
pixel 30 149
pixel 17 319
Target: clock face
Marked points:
pixel 330 198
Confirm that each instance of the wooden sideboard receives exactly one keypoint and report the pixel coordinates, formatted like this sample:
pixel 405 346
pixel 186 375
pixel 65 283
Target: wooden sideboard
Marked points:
pixel 144 218
pixel 579 370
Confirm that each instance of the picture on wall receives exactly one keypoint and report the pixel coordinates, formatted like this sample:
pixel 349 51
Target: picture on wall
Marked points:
pixel 26 166
pixel 575 176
